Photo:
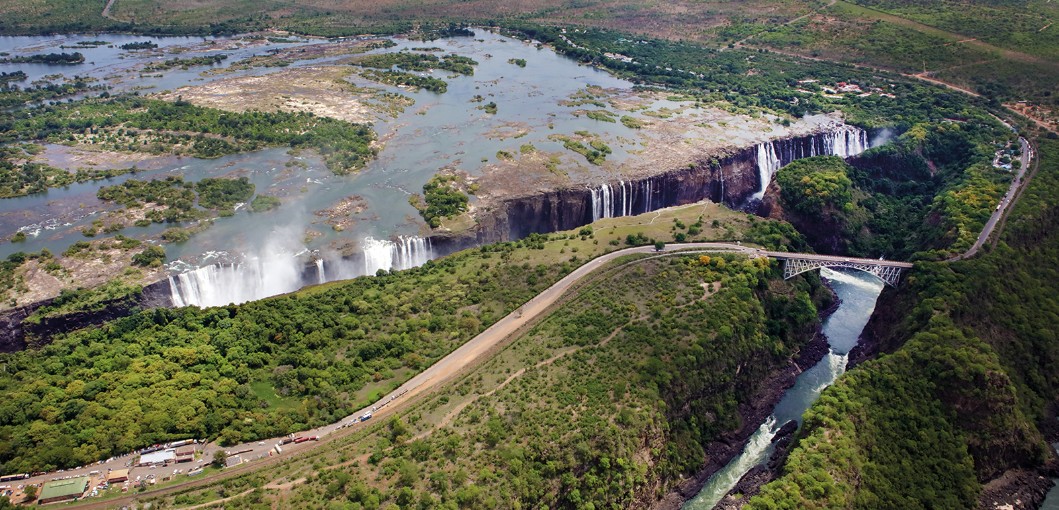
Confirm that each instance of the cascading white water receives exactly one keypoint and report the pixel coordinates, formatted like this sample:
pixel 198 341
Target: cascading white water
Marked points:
pixel 406 253
pixel 218 285
pixel 378 254
pixel 612 201
pixel 857 293
pixel 648 197
pixel 754 453
pixel 263 276
pixel 601 202
pixel 767 165
pixel 412 252
pixel 625 199
pixel 320 276
pixel 844 141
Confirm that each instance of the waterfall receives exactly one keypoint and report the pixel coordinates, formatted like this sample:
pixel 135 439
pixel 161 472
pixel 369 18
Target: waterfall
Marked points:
pixel 843 141
pixel 405 253
pixel 648 197
pixel 720 172
pixel 221 284
pixel 767 165
pixel 412 252
pixel 320 277
pixel 282 272
pixel 846 141
pixel 609 201
pixel 601 202
pixel 378 254
pixel 625 202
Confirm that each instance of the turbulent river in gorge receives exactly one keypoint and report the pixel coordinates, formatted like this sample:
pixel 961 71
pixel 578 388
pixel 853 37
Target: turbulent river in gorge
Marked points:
pixel 858 292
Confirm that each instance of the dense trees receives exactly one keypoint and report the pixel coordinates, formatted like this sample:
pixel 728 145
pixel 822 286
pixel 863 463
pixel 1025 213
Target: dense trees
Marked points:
pixel 46 58
pixel 442 199
pixel 618 390
pixel 250 371
pixel 410 61
pixel 925 195
pixel 954 403
pixel 817 187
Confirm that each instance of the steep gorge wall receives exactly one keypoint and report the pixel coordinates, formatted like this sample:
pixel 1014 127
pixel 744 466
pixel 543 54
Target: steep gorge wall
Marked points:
pixel 16 334
pixel 737 180
pixel 733 179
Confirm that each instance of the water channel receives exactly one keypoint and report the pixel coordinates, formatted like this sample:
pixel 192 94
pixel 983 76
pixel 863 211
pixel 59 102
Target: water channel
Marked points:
pixel 439 131
pixel 858 292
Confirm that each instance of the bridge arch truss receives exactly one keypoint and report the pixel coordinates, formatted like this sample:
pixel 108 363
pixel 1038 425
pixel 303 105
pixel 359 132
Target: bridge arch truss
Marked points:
pixel 890 275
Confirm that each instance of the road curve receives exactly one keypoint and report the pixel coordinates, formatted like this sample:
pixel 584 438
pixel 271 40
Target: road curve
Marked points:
pixel 437 374
pixel 1005 202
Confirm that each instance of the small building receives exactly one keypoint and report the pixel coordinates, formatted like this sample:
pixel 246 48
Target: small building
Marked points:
pixel 159 458
pixel 233 461
pixel 118 476
pixel 63 490
pixel 185 453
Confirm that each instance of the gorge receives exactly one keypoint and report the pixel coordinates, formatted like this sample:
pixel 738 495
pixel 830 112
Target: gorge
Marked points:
pixel 734 180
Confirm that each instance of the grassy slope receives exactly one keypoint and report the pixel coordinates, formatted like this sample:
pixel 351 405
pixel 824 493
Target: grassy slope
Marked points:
pixel 1013 42
pixel 619 389
pixel 328 349
pixel 955 404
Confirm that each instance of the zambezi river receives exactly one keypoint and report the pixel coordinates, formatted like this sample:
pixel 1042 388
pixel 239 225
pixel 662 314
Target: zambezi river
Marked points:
pixel 858 292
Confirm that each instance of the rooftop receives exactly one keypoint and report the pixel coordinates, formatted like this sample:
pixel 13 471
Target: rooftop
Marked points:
pixel 118 473
pixel 159 457
pixel 72 487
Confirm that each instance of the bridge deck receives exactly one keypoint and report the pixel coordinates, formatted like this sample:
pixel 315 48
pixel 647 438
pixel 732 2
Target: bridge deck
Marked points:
pixel 782 255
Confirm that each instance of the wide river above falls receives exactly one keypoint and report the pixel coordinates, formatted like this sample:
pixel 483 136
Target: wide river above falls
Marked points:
pixel 447 130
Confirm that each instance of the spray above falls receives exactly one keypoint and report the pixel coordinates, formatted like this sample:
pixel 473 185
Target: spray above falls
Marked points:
pixel 279 271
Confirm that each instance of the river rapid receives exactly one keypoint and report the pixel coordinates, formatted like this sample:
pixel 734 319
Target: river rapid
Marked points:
pixel 857 292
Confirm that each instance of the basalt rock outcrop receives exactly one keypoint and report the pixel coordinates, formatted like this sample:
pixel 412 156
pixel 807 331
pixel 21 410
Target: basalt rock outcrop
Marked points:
pixel 17 334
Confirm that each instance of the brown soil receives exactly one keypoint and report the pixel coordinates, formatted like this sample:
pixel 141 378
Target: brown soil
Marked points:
pixel 322 91
pixel 79 272
pixel 347 212
pixel 81 156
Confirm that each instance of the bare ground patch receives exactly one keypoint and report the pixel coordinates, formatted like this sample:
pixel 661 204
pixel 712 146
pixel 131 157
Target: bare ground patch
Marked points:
pixel 38 282
pixel 320 90
pixel 345 213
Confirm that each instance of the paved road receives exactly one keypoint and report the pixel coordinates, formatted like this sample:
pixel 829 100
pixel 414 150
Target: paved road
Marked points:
pixel 1009 198
pixel 437 374
pixel 464 356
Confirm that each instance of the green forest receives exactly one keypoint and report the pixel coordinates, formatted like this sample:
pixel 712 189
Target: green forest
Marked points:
pixel 619 389
pixel 614 396
pixel 177 198
pixel 173 373
pixel 966 368
pixel 925 195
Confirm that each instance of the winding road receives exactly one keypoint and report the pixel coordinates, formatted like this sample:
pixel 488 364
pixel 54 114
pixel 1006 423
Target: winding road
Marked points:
pixel 1009 198
pixel 260 454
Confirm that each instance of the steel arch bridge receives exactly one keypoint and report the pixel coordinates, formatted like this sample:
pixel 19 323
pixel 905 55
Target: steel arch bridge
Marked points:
pixel 887 271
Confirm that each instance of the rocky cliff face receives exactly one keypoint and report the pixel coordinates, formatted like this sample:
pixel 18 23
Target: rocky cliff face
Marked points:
pixel 16 334
pixel 730 180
